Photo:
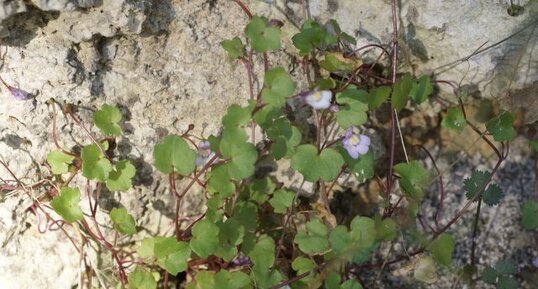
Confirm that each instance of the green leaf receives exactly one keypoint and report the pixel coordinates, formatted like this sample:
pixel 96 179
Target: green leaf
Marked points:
pixel 277 86
pixel 489 275
pixel 507 283
pixel 501 127
pixel 262 36
pixel 146 248
pixel 66 204
pixel 473 184
pixel 325 83
pixel 231 280
pixel 313 240
pixel 94 164
pixel 120 179
pixel 332 63
pixel 264 278
pixel 261 189
pixel 363 234
pixel 242 157
pixel 332 281
pixel 401 90
pixel 205 239
pixel 352 110
pixel 234 47
pixel 533 144
pixel 263 253
pixel 386 229
pixel 302 265
pixel 176 261
pixel 231 235
pixel 123 222
pixel 314 166
pixel 442 249
pixel 174 154
pixel 421 89
pixel 414 177
pixel 351 284
pixel 203 280
pixel 362 168
pixel 454 119
pixel 492 195
pixel 237 116
pixel 285 137
pixel 506 267
pixel 311 36
pixel 378 96
pixel 282 201
pixel 246 213
pixel 141 279
pixel 59 162
pixel 529 215
pixel 219 181
pixel 107 119
pixel 266 116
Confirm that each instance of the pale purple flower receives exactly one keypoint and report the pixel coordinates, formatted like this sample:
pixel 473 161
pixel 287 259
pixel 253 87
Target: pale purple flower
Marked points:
pixel 334 108
pixel 18 93
pixel 241 260
pixel 204 153
pixel 319 99
pixel 355 143
pixel 535 262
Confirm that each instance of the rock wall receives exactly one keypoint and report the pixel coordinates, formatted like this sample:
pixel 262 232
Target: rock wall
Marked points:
pixel 160 61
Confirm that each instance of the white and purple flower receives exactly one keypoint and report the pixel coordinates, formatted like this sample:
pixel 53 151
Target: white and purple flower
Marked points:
pixel 319 99
pixel 355 143
pixel 18 93
pixel 204 153
pixel 535 262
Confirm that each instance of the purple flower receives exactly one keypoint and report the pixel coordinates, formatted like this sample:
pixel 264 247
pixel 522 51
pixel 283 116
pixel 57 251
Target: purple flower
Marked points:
pixel 19 94
pixel 241 260
pixel 535 262
pixel 204 153
pixel 334 108
pixel 319 99
pixel 355 143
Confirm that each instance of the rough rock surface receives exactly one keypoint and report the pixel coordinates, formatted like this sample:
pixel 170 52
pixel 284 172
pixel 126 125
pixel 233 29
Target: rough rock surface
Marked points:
pixel 161 63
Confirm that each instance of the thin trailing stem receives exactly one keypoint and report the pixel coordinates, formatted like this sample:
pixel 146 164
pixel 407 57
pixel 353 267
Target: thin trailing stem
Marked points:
pixel 475 232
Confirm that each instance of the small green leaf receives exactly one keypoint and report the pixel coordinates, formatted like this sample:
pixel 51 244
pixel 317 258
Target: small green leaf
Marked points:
pixel 231 235
pixel 506 282
pixel 314 166
pixel 501 127
pixel 492 195
pixel 529 215
pixel 313 240
pixel 263 253
pixel 59 162
pixel 282 200
pixel 146 248
pixel 351 284
pixel 277 86
pixel 66 204
pixel 219 181
pixel 332 281
pixel 421 89
pixel 231 280
pixel 120 179
pixel 262 36
pixel 414 177
pixel 311 36
pixel 141 279
pixel 242 157
pixel 246 213
pixel 442 249
pixel 203 280
pixel 173 153
pixel 285 137
pixel 473 184
pixel 454 119
pixel 94 164
pixel 123 222
pixel 205 239
pixel 332 63
pixel 378 96
pixel 386 229
pixel 489 275
pixel 352 110
pixel 325 83
pixel 234 47
pixel 506 267
pixel 401 90
pixel 107 119
pixel 362 168
pixel 237 116
pixel 261 189
pixel 176 260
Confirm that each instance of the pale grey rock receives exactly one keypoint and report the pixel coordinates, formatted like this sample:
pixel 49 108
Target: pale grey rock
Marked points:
pixel 8 8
